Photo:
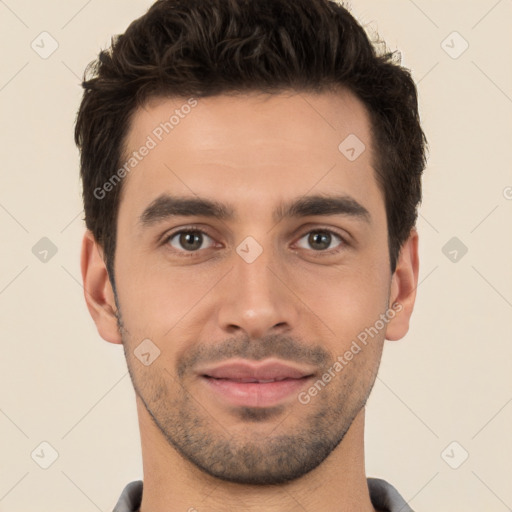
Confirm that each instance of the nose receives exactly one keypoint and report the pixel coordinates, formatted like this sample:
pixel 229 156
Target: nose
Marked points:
pixel 257 298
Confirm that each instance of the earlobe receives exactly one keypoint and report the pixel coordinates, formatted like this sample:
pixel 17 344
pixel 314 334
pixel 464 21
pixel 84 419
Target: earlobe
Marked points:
pixel 403 288
pixel 98 291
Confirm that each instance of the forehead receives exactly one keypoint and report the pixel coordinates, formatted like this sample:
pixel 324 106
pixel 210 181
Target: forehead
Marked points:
pixel 250 147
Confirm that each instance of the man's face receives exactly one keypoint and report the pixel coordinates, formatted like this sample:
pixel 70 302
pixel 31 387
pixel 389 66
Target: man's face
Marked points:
pixel 254 287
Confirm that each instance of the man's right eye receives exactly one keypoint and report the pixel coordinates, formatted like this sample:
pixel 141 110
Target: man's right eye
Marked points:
pixel 188 240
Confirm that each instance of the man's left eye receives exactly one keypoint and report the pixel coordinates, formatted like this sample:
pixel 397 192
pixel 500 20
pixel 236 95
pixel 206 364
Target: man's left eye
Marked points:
pixel 320 239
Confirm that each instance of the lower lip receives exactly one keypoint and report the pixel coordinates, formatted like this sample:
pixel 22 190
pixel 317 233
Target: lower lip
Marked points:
pixel 255 394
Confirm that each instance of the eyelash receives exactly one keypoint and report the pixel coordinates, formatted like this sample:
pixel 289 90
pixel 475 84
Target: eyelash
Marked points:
pixel 194 229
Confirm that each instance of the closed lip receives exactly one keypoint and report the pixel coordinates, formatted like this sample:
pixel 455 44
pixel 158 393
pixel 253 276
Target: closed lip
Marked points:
pixel 255 372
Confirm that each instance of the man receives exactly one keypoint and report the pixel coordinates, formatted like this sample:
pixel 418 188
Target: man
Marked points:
pixel 251 174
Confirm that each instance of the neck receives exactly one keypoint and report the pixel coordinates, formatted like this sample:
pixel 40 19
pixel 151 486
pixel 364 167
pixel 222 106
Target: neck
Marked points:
pixel 173 484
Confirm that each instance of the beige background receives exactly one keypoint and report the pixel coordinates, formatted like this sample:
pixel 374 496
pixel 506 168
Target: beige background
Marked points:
pixel 448 380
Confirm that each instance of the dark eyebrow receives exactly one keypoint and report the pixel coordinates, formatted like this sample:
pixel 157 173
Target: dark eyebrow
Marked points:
pixel 166 206
pixel 323 205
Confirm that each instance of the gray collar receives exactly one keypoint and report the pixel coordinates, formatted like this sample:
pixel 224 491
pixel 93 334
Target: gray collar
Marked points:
pixel 383 495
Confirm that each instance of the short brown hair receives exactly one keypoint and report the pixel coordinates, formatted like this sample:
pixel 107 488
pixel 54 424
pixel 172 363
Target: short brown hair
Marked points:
pixel 203 48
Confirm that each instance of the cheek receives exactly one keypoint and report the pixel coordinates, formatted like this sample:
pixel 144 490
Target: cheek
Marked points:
pixel 347 300
pixel 156 296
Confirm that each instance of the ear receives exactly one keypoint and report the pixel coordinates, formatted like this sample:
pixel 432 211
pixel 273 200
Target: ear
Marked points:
pixel 98 291
pixel 403 288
